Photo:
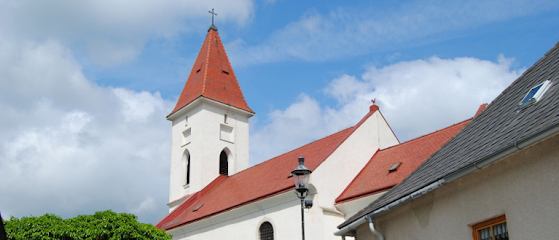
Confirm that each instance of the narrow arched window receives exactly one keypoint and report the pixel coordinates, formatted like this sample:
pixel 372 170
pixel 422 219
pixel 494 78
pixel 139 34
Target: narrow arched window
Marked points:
pixel 223 165
pixel 266 231
pixel 188 169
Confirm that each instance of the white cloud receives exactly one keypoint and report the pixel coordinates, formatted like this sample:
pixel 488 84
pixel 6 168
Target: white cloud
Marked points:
pixel 112 32
pixel 421 96
pixel 148 205
pixel 280 135
pixel 416 97
pixel 138 106
pixel 345 32
pixel 68 146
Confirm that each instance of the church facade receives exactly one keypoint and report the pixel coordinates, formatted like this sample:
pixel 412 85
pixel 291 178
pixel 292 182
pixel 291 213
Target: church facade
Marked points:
pixel 214 194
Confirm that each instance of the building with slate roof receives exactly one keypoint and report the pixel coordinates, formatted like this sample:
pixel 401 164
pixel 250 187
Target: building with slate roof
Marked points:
pixel 214 194
pixel 497 178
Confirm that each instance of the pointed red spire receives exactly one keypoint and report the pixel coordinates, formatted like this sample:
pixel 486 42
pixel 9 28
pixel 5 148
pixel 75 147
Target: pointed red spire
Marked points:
pixel 212 77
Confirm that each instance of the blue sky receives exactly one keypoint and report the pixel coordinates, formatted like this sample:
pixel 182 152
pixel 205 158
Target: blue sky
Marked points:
pixel 85 86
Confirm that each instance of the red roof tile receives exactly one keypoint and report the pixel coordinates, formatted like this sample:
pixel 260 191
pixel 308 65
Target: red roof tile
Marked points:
pixel 258 182
pixel 212 77
pixel 375 177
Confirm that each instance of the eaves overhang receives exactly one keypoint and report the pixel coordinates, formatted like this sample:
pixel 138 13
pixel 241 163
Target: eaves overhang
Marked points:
pixel 202 99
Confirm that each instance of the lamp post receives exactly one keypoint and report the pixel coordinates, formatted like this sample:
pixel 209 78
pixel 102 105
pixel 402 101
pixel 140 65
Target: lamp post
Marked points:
pixel 301 176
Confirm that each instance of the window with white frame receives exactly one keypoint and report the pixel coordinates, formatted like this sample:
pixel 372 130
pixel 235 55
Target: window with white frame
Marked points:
pixel 534 95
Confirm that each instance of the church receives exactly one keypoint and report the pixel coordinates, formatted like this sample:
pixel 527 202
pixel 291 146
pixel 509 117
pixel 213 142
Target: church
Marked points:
pixel 215 194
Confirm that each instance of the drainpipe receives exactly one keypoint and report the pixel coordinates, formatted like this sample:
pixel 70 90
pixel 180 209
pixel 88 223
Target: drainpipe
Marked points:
pixel 372 228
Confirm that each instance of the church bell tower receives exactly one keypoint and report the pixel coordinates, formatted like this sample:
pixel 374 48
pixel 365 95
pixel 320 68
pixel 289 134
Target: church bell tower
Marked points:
pixel 210 127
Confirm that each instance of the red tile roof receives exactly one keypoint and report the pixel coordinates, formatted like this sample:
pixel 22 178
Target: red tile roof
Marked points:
pixel 375 178
pixel 481 108
pixel 212 77
pixel 258 182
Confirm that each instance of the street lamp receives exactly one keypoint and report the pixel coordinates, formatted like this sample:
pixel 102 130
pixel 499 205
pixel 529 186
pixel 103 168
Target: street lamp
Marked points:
pixel 301 176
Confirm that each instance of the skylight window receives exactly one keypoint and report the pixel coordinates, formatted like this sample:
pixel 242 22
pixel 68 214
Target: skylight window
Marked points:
pixel 197 207
pixel 534 95
pixel 394 167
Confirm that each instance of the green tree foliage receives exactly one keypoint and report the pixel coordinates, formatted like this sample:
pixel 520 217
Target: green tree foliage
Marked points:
pixel 106 225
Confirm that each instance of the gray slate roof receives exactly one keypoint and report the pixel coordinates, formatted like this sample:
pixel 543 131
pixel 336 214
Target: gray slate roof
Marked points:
pixel 499 126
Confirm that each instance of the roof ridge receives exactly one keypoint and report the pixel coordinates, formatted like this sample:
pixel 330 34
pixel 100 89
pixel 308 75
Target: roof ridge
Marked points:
pixel 206 65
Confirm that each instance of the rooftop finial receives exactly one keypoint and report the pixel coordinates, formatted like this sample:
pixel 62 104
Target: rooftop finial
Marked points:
pixel 373 107
pixel 213 14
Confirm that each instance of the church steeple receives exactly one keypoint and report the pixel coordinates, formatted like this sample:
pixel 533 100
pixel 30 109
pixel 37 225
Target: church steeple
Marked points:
pixel 210 124
pixel 212 77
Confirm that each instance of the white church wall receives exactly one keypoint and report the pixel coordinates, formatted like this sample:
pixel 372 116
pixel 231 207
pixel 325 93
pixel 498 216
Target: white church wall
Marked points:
pixel 349 158
pixel 387 138
pixel 345 163
pixel 179 125
pixel 282 211
pixel 213 121
pixel 330 221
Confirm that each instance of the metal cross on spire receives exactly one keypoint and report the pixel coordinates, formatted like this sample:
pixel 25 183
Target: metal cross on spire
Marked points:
pixel 212 26
pixel 213 14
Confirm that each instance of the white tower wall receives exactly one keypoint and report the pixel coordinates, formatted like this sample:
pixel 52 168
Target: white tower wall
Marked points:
pixel 204 135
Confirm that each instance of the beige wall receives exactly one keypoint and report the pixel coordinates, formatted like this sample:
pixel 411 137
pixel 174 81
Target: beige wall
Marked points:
pixel 523 186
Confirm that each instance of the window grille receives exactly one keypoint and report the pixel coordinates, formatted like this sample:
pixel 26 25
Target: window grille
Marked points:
pixel 493 229
pixel 266 231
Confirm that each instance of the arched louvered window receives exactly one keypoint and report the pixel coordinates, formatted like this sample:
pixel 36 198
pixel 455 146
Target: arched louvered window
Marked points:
pixel 188 169
pixel 223 165
pixel 266 231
